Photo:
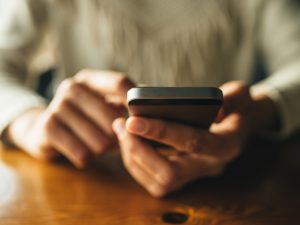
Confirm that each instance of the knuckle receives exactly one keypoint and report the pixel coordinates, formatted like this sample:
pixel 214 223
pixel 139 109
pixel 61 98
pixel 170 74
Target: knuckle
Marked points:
pixel 65 85
pixel 74 94
pixel 81 75
pixel 241 84
pixel 50 125
pixel 61 106
pixel 70 89
pixel 242 88
pixel 74 89
pixel 121 81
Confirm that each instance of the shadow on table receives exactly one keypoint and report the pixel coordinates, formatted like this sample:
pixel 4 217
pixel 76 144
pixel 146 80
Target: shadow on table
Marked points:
pixel 262 185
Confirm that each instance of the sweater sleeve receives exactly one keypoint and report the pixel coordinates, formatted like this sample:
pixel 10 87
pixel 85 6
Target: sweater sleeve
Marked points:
pixel 279 44
pixel 21 30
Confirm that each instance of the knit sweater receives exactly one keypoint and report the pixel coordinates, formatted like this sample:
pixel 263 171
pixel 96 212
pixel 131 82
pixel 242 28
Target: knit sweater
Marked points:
pixel 154 42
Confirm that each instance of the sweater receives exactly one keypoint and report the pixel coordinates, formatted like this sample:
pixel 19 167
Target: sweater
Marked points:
pixel 155 42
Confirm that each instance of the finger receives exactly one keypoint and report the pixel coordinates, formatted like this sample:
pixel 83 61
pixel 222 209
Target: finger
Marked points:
pixel 82 127
pixel 141 176
pixel 220 116
pixel 44 153
pixel 66 143
pixel 144 155
pixel 90 104
pixel 233 92
pixel 106 82
pixel 178 136
pixel 194 166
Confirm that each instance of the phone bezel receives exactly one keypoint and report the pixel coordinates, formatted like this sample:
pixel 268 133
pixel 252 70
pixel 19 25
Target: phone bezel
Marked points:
pixel 175 96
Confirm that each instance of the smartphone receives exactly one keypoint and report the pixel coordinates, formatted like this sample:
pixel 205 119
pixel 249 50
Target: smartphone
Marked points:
pixel 195 106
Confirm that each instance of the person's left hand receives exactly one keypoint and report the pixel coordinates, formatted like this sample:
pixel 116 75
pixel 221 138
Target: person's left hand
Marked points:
pixel 201 153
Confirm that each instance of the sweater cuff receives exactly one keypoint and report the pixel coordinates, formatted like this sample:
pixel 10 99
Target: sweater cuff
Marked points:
pixel 284 98
pixel 14 102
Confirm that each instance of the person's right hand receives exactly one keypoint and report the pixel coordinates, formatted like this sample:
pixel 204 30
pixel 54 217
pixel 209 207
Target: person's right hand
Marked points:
pixel 78 122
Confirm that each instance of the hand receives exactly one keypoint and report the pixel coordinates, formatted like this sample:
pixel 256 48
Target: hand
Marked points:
pixel 200 153
pixel 78 122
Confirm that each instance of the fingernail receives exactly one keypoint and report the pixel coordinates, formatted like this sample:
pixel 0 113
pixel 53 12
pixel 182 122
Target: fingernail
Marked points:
pixel 137 126
pixel 119 128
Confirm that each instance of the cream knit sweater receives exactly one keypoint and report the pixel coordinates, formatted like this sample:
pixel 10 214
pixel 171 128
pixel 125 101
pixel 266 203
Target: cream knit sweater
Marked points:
pixel 155 42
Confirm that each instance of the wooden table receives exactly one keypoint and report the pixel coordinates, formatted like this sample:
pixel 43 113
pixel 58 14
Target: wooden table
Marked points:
pixel 261 187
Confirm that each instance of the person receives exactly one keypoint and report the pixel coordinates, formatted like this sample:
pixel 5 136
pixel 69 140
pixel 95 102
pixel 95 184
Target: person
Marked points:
pixel 102 48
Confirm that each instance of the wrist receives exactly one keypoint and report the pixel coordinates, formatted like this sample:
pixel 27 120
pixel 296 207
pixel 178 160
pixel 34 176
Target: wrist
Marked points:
pixel 17 132
pixel 265 114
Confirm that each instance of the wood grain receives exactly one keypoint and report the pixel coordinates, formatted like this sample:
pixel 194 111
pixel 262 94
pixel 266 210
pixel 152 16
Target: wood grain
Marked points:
pixel 260 188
